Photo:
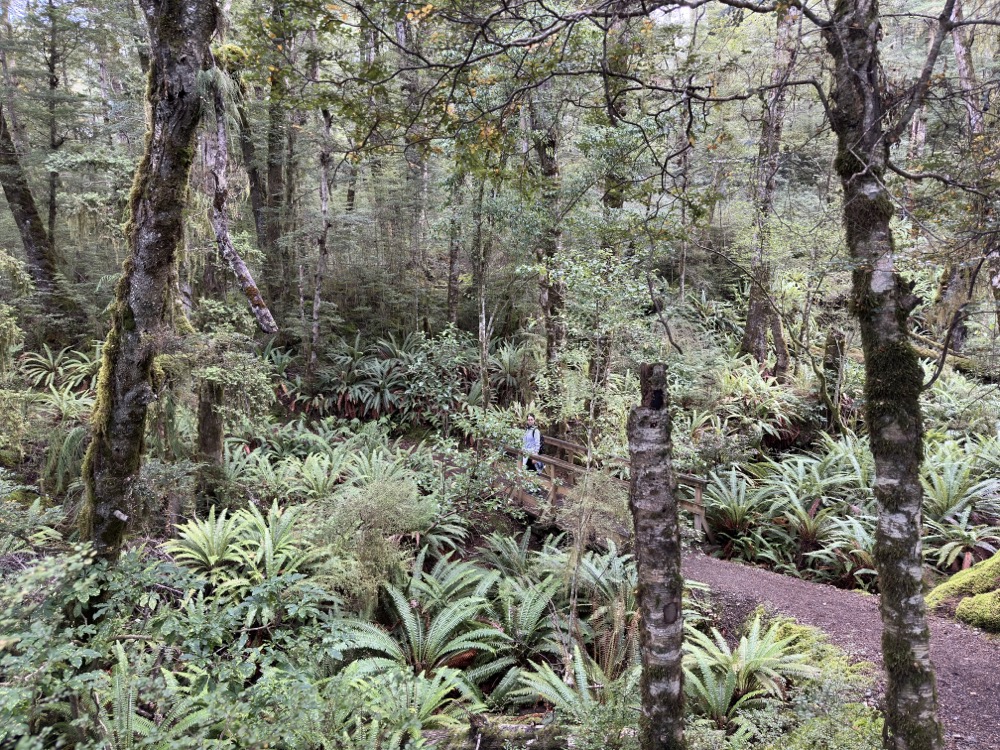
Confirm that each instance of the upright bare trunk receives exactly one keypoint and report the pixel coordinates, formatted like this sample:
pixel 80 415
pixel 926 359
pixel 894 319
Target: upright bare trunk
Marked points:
pixel 551 290
pixel 37 243
pixel 616 62
pixel 967 79
pixel 323 235
pixel 882 302
pixel 761 314
pixel 258 199
pixel 455 244
pixel 277 275
pixel 220 219
pixel 37 247
pixel 954 291
pixel 658 558
pixel 179 33
pixel 479 247
pixel 211 440
pixel 52 59
pixel 834 351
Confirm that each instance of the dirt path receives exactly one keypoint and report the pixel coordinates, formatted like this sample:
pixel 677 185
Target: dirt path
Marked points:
pixel 967 663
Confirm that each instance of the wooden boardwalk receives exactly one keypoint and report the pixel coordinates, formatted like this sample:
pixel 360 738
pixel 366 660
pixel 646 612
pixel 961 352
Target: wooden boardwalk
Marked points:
pixel 559 476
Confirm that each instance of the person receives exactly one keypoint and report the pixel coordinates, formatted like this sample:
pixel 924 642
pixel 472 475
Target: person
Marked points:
pixel 532 443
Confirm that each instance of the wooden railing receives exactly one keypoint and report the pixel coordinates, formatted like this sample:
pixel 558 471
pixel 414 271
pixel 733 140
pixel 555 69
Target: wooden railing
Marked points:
pixel 559 486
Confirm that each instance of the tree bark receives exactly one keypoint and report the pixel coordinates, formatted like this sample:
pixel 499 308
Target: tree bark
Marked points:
pixel 276 271
pixel 248 150
pixel 616 63
pixel 211 438
pixel 967 79
pixel 455 244
pixel 323 235
pixel 551 290
pixel 52 59
pixel 761 314
pixel 754 341
pixel 834 351
pixel 179 33
pixel 882 302
pixel 37 247
pixel 37 243
pixel 953 291
pixel 658 558
pixel 220 218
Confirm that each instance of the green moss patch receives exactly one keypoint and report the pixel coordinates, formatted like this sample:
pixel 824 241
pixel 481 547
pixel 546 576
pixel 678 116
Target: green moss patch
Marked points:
pixel 981 578
pixel 981 611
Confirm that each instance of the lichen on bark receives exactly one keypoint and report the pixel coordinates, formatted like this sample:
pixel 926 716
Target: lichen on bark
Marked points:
pixel 882 303
pixel 658 557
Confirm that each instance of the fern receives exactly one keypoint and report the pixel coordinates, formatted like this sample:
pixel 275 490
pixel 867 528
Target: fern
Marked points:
pixel 209 545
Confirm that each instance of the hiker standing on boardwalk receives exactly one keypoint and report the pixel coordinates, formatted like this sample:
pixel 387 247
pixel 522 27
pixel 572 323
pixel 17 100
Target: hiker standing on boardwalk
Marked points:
pixel 532 443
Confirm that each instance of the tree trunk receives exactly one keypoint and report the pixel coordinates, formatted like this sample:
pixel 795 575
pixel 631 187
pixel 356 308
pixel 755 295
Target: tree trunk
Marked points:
pixel 179 35
pixel 258 200
pixel 37 243
pixel 479 247
pixel 882 302
pixel 220 218
pixel 455 245
pixel 616 63
pixel 211 435
pixel 658 559
pixel 277 282
pixel 754 341
pixel 322 237
pixel 761 313
pixel 52 58
pixel 834 351
pixel 967 79
pixel 551 290
pixel 954 292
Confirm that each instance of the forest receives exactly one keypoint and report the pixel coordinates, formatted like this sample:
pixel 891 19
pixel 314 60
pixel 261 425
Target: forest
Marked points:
pixel 593 374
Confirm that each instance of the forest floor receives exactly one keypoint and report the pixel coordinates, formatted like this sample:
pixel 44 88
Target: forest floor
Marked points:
pixel 966 661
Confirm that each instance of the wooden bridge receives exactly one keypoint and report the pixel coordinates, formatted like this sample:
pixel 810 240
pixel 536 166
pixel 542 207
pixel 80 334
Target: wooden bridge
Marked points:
pixel 559 475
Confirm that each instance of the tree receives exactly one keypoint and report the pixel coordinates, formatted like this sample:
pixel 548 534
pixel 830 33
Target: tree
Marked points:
pixel 658 558
pixel 544 121
pixel 761 313
pixel 179 34
pixel 37 243
pixel 862 120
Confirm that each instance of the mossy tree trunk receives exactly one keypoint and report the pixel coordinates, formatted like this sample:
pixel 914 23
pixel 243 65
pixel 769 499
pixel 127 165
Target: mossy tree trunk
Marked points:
pixel 179 33
pixel 834 351
pixel 882 303
pixel 658 557
pixel 248 150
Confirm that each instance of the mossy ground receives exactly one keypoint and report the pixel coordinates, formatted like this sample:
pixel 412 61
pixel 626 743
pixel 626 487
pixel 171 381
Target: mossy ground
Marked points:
pixel 981 578
pixel 981 611
pixel 973 594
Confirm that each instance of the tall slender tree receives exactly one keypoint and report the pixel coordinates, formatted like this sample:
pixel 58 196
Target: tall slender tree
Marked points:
pixel 862 119
pixel 653 503
pixel 761 313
